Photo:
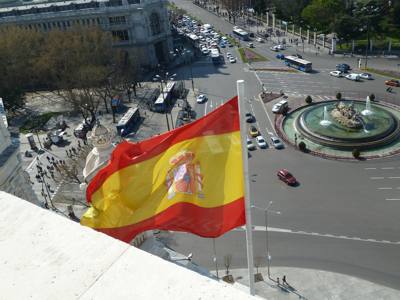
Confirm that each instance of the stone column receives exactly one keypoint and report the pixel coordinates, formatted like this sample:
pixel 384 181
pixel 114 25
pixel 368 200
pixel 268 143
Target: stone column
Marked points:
pixel 273 21
pixel 267 15
pixel 293 29
pixel 333 49
pixel 353 46
pixel 308 36
pixel 370 45
pixel 390 45
pixel 323 41
pixel 315 38
pixel 300 33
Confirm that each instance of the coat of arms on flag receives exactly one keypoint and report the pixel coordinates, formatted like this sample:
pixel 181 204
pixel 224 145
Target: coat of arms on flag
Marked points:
pixel 184 176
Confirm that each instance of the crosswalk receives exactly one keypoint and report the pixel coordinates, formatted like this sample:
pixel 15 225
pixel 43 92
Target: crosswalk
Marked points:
pixel 314 97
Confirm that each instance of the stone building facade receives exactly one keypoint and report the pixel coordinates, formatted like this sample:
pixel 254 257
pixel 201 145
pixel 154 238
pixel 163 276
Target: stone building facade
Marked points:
pixel 139 26
pixel 13 178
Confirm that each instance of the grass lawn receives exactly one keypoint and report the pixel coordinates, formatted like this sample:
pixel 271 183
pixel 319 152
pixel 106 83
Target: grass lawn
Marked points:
pixel 388 73
pixel 37 122
pixel 248 55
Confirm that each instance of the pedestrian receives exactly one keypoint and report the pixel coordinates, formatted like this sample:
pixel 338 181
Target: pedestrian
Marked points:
pixel 52 158
pixel 277 280
pixel 48 158
pixel 79 144
pixel 66 151
pixel 284 280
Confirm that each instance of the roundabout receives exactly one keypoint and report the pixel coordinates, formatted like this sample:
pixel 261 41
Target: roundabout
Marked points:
pixel 336 128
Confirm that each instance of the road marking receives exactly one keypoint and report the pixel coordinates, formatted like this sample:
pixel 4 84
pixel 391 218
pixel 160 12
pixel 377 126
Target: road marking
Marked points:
pixel 370 168
pixel 387 168
pixel 326 235
pixel 374 178
pixel 392 199
pixel 384 188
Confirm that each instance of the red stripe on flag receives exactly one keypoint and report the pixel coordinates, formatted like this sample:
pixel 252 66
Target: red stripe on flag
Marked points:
pixel 187 217
pixel 223 120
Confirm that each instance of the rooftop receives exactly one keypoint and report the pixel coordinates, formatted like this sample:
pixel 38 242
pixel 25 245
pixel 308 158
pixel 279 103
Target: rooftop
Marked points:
pixel 46 256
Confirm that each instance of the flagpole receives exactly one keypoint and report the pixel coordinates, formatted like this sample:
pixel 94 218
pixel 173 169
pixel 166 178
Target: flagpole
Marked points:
pixel 249 233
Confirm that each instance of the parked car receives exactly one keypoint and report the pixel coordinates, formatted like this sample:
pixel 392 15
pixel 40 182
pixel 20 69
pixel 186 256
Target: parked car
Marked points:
pixel 232 59
pixel 281 47
pixel 260 40
pixel 201 98
pixel 250 145
pixel 343 67
pixel 353 76
pixel 261 142
pixel 280 107
pixel 336 73
pixel 276 142
pixel 280 56
pixel 286 177
pixel 251 45
pixel 254 131
pixel 392 82
pixel 228 54
pixel 367 76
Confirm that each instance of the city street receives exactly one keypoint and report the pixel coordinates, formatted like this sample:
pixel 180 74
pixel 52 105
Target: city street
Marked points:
pixel 343 216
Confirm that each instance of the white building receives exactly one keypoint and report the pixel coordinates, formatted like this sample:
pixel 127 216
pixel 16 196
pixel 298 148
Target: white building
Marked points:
pixel 139 26
pixel 13 178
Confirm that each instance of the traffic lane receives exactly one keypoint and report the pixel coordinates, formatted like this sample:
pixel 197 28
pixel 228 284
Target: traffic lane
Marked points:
pixel 332 197
pixel 371 261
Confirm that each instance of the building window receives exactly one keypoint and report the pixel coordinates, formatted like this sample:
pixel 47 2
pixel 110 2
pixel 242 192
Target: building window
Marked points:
pixel 114 3
pixel 120 35
pixel 155 23
pixel 117 20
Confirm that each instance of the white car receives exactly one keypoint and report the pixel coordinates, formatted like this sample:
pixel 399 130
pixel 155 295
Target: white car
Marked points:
pixel 228 54
pixel 201 98
pixel 280 107
pixel 205 51
pixel 281 47
pixel 260 40
pixel 232 59
pixel 276 142
pixel 261 142
pixel 336 73
pixel 353 76
pixel 250 145
pixel 275 48
pixel 367 76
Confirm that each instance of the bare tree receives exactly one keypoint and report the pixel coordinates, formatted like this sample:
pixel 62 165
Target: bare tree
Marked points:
pixel 233 8
pixel 227 262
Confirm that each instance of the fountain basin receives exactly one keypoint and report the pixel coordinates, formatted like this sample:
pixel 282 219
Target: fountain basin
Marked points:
pixel 378 129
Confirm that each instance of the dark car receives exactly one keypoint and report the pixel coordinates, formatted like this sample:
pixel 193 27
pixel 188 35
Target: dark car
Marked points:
pixel 343 68
pixel 250 118
pixel 280 56
pixel 286 177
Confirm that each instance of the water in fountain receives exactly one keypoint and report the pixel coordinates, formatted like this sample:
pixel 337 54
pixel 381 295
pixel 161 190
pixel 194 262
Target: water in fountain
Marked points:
pixel 367 111
pixel 325 121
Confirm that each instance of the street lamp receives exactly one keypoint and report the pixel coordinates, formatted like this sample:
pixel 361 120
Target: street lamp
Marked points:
pixel 266 211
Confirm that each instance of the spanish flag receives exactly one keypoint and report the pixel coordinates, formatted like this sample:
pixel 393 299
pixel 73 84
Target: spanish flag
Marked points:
pixel 189 179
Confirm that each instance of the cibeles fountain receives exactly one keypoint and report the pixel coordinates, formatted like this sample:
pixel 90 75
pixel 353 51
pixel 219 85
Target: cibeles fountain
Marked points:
pixel 343 125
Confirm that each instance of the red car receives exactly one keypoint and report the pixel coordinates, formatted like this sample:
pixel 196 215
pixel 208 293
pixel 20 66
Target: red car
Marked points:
pixel 392 82
pixel 286 177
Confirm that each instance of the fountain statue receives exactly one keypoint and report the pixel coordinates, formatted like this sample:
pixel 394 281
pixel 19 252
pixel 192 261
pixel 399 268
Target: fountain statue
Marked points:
pixel 347 116
pixel 325 121
pixel 367 111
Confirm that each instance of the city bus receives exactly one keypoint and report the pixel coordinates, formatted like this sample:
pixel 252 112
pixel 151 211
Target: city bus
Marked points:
pixel 215 56
pixel 163 100
pixel 128 121
pixel 241 34
pixel 298 63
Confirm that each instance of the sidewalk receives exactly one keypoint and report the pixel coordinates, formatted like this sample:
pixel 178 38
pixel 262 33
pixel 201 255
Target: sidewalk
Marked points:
pixel 313 284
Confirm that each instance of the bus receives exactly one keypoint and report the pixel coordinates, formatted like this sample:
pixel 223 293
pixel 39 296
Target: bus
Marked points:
pixel 128 121
pixel 241 34
pixel 163 100
pixel 298 63
pixel 215 56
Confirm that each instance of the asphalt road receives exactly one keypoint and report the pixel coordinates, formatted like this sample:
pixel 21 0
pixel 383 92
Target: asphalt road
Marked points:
pixel 346 212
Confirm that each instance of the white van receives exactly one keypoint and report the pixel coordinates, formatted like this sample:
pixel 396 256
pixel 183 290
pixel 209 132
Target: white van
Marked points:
pixel 353 76
pixel 280 107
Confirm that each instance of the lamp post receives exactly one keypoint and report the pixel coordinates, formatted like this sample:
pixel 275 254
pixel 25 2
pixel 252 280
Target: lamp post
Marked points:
pixel 266 211
pixel 163 80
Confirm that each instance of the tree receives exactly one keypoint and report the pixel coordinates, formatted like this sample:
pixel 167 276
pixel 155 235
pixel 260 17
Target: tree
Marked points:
pixel 308 99
pixel 346 27
pixel 321 14
pixel 356 153
pixel 233 8
pixel 302 146
pixel 290 9
pixel 372 97
pixel 16 63
pixel 76 65
pixel 339 96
